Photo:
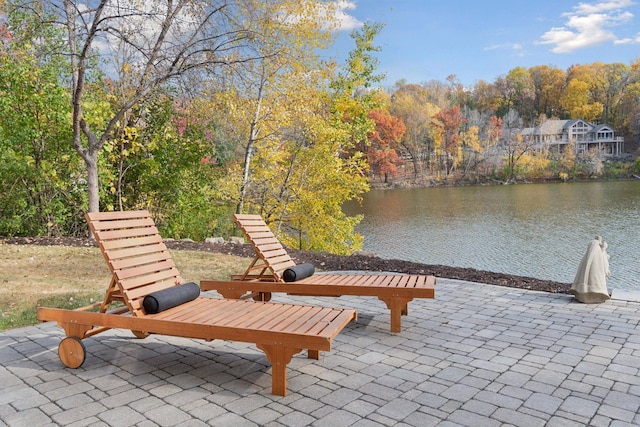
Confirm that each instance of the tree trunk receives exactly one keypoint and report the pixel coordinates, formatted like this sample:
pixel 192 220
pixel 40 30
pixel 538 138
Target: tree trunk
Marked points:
pixel 253 135
pixel 91 163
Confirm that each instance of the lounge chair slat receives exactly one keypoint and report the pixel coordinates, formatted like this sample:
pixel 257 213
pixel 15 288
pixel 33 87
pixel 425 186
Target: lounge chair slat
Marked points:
pixel 123 224
pixel 275 253
pixel 266 247
pixel 257 228
pixel 128 232
pixel 146 269
pixel 152 257
pixel 146 280
pixel 259 322
pixel 307 322
pixel 276 322
pixel 279 259
pixel 133 242
pixel 118 254
pixel 111 216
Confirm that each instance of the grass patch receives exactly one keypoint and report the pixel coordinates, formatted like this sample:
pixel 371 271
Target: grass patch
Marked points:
pixel 24 314
pixel 72 277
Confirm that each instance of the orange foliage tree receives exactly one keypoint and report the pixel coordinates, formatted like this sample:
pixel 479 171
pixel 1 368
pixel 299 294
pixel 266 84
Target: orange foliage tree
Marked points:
pixel 450 123
pixel 382 156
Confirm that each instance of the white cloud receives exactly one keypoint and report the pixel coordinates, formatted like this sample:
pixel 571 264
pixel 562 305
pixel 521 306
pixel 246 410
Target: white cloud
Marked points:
pixel 586 9
pixel 333 16
pixel 589 24
pixel 338 15
pixel 628 40
pixel 505 46
pixel 517 48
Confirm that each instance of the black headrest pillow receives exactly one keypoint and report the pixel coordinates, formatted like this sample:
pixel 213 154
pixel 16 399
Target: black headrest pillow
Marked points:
pixel 298 272
pixel 171 297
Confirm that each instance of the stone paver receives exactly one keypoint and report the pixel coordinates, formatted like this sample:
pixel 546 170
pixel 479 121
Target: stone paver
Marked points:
pixel 475 355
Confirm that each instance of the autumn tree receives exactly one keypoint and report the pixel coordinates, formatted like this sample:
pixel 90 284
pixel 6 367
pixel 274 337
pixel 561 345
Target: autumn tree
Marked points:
pixel 385 138
pixel 486 97
pixel 609 84
pixel 517 149
pixel 568 162
pixel 548 83
pixel 438 93
pixel 410 102
pixel 596 92
pixel 458 95
pixel 517 91
pixel 310 156
pixel 630 112
pixel 578 102
pixel 449 123
pixel 289 37
pixel 472 150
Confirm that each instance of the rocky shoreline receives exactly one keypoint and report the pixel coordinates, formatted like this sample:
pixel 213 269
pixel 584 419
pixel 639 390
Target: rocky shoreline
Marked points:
pixel 331 262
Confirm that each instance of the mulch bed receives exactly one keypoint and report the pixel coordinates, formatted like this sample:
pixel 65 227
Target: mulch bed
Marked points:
pixel 329 262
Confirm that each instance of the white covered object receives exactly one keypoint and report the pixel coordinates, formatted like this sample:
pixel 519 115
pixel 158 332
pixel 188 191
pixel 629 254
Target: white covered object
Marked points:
pixel 590 284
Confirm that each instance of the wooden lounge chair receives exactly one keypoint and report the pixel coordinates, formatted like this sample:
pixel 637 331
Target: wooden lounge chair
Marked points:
pixel 141 265
pixel 265 275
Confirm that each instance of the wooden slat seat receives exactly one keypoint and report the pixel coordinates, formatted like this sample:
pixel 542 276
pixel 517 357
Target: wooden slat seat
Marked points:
pixel 264 276
pixel 141 264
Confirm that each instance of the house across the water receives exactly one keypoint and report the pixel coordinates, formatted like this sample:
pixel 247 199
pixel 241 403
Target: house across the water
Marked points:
pixel 555 135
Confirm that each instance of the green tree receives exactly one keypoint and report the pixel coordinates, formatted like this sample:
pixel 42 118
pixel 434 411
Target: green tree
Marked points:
pixel 354 93
pixel 39 174
pixel 155 44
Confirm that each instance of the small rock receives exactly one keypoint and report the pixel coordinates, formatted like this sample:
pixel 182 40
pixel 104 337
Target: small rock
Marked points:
pixel 367 254
pixel 236 240
pixel 214 240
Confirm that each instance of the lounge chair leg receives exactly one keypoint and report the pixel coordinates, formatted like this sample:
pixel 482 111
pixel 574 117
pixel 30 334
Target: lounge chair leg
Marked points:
pixel 313 354
pixel 279 356
pixel 398 306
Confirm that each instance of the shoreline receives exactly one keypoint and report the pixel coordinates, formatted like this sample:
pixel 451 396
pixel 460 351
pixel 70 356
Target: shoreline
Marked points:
pixel 326 261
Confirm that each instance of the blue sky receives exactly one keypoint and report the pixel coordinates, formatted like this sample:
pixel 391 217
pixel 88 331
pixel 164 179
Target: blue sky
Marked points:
pixel 484 39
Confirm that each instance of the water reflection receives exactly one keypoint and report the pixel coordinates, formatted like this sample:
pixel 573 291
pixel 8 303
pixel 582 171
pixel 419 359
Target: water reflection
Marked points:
pixel 536 230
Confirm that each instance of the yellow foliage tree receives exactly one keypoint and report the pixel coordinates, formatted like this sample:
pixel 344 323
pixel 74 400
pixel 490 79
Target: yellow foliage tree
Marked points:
pixel 298 137
pixel 577 102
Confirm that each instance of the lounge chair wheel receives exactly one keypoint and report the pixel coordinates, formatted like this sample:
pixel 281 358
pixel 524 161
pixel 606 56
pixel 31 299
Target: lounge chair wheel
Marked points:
pixel 140 334
pixel 262 296
pixel 72 352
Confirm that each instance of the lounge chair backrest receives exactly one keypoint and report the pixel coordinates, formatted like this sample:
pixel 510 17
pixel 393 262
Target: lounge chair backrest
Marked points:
pixel 136 254
pixel 266 245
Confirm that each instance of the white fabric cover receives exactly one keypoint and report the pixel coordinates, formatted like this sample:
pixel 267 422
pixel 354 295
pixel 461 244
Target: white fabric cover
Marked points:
pixel 590 284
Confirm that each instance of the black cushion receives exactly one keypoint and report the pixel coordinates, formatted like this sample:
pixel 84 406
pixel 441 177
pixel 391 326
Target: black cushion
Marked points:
pixel 171 297
pixel 298 272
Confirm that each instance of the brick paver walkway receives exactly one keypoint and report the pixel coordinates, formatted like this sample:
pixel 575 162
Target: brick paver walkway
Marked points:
pixel 477 355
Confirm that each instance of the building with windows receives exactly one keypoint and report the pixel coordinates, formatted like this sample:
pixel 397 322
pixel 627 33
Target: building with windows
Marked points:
pixel 555 135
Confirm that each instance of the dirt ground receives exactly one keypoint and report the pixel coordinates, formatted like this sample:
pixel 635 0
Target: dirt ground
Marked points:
pixel 329 262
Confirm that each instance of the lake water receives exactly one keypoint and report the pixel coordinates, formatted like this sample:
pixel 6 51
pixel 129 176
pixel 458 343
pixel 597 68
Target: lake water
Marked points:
pixel 533 230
